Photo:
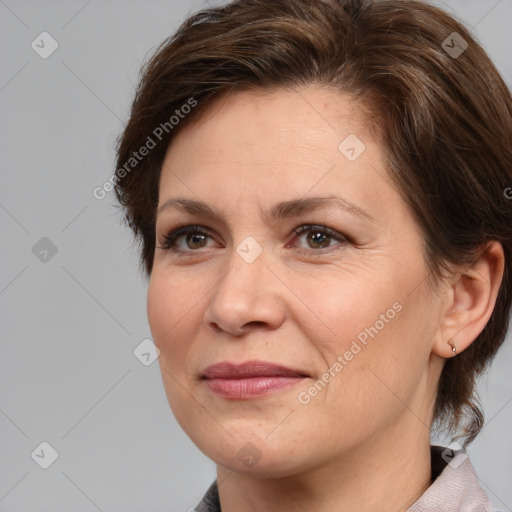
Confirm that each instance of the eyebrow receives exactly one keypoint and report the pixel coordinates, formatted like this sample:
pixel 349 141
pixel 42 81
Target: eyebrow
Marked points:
pixel 283 210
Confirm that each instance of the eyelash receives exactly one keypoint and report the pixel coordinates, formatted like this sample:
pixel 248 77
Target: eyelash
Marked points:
pixel 169 240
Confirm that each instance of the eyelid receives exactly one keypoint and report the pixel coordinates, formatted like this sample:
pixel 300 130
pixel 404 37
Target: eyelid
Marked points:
pixel 320 227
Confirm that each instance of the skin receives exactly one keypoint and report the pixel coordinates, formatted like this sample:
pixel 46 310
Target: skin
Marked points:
pixel 363 441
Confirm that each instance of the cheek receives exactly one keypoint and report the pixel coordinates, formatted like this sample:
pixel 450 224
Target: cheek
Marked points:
pixel 373 331
pixel 170 309
pixel 340 307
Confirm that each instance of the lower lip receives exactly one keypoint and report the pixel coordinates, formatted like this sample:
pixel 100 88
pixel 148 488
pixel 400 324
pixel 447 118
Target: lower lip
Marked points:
pixel 244 389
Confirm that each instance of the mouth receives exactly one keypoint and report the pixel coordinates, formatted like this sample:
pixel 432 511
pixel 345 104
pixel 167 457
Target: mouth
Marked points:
pixel 251 379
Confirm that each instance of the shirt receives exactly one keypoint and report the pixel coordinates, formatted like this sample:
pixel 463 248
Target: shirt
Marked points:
pixel 455 487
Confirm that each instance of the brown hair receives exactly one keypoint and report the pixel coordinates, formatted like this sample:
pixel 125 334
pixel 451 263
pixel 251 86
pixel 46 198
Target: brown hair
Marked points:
pixel 444 122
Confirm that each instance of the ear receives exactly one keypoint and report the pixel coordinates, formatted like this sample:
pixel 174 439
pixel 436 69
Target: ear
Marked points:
pixel 472 296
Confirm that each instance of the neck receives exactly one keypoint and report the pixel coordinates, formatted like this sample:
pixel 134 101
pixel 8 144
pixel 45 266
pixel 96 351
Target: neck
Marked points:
pixel 386 474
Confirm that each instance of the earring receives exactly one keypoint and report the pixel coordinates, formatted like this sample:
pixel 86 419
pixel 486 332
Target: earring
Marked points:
pixel 452 344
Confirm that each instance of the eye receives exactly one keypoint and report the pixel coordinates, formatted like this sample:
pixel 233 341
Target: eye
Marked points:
pixel 186 238
pixel 318 237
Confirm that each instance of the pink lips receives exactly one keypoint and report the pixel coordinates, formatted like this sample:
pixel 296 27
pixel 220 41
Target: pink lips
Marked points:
pixel 250 379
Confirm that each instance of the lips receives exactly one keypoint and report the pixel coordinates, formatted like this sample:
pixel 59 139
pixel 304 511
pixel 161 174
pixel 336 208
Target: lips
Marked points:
pixel 249 379
pixel 249 369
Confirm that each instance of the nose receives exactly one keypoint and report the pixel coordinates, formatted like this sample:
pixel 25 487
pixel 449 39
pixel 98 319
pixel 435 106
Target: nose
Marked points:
pixel 247 297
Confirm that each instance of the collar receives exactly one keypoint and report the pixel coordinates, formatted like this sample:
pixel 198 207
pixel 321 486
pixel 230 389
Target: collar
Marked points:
pixel 455 486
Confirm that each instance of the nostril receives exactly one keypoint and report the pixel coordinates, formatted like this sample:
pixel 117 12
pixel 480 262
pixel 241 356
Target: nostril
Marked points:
pixel 247 327
pixel 256 323
pixel 215 327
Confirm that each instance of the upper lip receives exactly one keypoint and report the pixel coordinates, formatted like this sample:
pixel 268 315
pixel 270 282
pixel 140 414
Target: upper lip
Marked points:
pixel 248 369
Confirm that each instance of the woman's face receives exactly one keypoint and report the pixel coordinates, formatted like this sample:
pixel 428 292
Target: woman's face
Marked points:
pixel 322 335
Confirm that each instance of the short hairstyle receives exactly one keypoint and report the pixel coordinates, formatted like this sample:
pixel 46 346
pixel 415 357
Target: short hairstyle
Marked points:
pixel 441 112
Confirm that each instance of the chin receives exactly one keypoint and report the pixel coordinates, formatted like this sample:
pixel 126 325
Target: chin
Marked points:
pixel 248 458
pixel 250 450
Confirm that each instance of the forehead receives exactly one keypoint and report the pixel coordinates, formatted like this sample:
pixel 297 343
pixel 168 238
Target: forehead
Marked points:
pixel 283 120
pixel 277 145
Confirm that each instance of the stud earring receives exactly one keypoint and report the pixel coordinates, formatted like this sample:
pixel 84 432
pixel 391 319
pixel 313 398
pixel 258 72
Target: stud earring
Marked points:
pixel 452 344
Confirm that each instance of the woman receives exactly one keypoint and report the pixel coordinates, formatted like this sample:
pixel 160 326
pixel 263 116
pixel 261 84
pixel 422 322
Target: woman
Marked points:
pixel 319 189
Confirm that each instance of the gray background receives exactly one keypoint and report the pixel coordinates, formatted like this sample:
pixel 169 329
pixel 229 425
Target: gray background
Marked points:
pixel 70 324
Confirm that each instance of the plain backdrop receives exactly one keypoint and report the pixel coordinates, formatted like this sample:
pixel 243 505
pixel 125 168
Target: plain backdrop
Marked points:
pixel 73 304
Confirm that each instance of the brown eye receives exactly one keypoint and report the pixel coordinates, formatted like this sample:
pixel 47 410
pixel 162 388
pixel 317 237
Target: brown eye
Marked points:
pixel 314 238
pixel 318 240
pixel 196 240
pixel 187 239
